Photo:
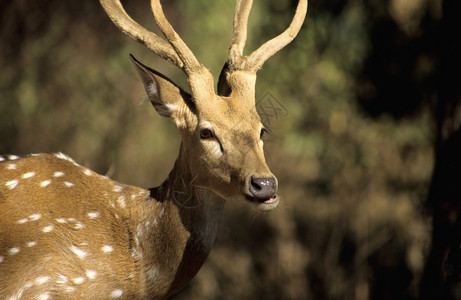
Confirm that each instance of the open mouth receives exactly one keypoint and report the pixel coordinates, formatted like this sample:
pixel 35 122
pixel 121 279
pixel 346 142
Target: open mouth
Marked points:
pixel 265 204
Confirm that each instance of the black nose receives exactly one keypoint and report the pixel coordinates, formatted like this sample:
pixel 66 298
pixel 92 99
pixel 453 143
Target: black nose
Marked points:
pixel 263 188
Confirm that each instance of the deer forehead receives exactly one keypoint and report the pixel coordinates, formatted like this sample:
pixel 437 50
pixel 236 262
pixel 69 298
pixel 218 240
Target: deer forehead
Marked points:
pixel 229 114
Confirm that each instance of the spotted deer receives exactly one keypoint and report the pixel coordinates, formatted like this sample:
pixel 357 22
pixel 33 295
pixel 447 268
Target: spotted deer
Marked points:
pixel 68 232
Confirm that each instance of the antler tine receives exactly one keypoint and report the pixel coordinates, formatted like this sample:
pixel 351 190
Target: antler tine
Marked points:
pixel 242 11
pixel 255 61
pixel 185 54
pixel 259 56
pixel 127 25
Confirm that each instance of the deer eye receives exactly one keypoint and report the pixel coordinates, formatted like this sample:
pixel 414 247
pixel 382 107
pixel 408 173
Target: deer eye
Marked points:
pixel 206 134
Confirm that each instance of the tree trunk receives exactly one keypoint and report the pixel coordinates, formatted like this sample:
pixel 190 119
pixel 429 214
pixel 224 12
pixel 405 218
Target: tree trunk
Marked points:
pixel 442 276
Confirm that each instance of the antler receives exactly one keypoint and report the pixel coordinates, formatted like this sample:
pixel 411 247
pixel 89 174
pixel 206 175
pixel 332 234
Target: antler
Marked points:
pixel 229 80
pixel 258 57
pixel 176 51
pixel 185 54
pixel 173 50
pixel 242 11
pixel 127 25
pixel 255 61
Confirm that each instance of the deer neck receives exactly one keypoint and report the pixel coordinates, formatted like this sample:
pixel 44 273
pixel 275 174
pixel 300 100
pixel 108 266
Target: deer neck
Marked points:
pixel 185 219
pixel 197 209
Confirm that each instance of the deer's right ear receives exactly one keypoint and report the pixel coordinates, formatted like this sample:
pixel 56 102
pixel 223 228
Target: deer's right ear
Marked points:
pixel 168 99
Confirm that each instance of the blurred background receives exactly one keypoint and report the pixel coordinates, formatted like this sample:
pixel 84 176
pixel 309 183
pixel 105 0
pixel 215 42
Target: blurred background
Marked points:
pixel 350 104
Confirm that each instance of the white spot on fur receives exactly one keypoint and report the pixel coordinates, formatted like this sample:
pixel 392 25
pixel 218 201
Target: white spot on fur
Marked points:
pixel 61 279
pixel 1 259
pixel 78 280
pixel 35 217
pixel 2 158
pixel 22 221
pixel 121 201
pixel 70 289
pixel 44 296
pixel 48 257
pixel 93 214
pixel 61 220
pixel 41 280
pixel 48 228
pixel 28 175
pixel 116 293
pixel 65 157
pixel 79 225
pixel 28 285
pixel 13 251
pixel 80 253
pixel 31 244
pixel 91 274
pixel 13 157
pixel 11 167
pixel 107 249
pixel 87 172
pixel 45 183
pixel 58 174
pixel 12 184
pixel 68 184
pixel 117 188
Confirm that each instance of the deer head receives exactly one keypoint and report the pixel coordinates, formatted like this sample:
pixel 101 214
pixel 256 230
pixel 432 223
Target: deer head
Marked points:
pixel 221 132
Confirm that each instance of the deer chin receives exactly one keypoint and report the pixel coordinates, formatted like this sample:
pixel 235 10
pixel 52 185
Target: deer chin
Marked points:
pixel 267 204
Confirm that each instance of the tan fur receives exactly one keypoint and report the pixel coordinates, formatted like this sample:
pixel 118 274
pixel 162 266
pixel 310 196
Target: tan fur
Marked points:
pixel 61 230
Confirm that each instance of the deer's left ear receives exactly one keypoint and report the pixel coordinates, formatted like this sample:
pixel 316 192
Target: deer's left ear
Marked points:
pixel 168 99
